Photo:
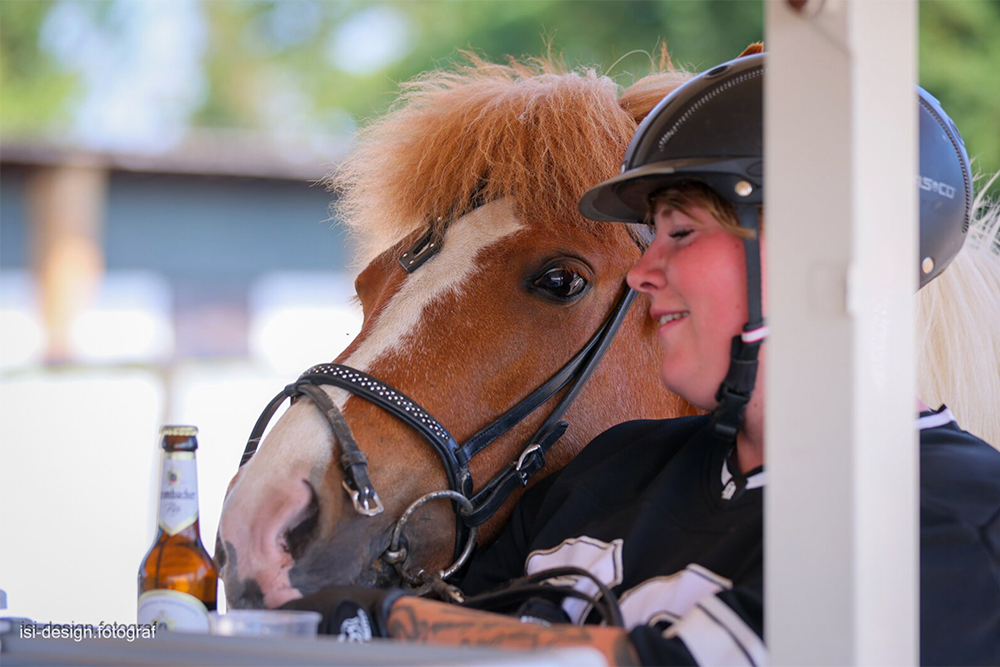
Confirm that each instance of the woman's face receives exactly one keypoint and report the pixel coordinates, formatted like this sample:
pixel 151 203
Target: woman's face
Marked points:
pixel 695 274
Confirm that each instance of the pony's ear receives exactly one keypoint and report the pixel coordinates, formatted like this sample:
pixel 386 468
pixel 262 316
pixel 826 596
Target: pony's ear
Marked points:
pixel 756 47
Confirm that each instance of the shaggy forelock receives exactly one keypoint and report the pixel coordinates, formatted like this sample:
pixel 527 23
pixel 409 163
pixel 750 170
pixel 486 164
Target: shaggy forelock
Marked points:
pixel 532 131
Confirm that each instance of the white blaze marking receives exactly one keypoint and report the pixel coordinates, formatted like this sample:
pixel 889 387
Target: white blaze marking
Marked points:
pixel 294 447
pixel 444 273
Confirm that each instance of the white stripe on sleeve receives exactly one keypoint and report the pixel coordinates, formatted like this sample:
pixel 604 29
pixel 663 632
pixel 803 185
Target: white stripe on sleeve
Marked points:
pixel 716 635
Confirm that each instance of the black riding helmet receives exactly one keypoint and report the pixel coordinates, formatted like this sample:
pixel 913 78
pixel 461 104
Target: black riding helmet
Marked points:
pixel 710 130
pixel 945 183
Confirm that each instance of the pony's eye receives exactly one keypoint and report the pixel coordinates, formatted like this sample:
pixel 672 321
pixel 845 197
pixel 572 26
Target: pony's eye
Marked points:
pixel 561 282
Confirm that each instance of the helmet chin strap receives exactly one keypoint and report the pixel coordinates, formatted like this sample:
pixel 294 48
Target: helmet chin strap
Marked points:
pixel 734 392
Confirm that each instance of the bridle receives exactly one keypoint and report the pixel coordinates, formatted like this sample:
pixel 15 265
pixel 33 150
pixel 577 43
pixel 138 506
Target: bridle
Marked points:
pixel 471 509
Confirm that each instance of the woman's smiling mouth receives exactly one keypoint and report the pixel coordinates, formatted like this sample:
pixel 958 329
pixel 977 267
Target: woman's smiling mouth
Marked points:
pixel 667 318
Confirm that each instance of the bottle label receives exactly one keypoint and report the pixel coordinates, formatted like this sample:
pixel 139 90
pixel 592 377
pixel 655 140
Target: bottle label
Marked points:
pixel 172 610
pixel 178 492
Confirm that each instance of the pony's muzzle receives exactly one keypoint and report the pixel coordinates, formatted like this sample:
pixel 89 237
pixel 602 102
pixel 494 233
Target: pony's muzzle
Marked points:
pixel 261 539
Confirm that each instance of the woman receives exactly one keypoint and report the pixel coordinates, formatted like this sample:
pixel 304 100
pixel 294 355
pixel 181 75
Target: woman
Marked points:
pixel 668 514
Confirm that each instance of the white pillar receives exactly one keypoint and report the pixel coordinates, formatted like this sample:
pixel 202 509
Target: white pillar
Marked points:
pixel 841 564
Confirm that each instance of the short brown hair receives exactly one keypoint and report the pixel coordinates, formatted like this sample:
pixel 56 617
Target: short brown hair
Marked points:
pixel 689 194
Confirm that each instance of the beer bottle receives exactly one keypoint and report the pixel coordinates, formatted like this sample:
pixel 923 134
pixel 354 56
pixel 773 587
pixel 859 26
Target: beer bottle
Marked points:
pixel 177 578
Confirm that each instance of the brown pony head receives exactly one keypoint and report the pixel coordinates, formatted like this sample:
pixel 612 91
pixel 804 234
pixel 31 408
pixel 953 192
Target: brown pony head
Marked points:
pixel 494 157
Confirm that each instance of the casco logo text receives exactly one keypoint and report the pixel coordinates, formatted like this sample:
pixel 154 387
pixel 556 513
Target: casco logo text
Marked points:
pixel 930 185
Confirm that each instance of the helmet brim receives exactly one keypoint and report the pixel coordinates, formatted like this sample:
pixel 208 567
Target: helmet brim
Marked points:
pixel 625 198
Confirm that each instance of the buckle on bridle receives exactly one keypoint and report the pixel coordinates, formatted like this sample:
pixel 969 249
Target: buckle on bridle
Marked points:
pixel 523 474
pixel 426 247
pixel 370 505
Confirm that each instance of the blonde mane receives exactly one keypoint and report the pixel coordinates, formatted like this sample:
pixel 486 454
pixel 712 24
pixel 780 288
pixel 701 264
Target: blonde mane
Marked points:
pixel 958 330
pixel 455 139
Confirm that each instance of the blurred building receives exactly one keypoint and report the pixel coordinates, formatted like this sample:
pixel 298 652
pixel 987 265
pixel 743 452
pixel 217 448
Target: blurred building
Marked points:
pixel 177 249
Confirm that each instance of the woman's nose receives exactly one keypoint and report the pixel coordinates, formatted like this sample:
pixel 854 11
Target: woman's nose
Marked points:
pixel 647 275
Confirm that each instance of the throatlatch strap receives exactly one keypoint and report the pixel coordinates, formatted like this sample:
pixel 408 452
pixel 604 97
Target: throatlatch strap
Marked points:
pixel 578 369
pixel 734 392
pixel 532 458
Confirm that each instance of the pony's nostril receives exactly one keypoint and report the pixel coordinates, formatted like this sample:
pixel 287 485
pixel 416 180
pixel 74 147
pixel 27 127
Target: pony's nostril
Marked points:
pixel 220 553
pixel 302 526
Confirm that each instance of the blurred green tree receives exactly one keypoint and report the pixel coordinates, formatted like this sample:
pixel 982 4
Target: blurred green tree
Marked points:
pixel 34 92
pixel 322 67
pixel 960 65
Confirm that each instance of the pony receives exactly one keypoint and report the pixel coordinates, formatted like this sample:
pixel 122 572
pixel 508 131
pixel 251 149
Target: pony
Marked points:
pixel 479 168
pixel 474 175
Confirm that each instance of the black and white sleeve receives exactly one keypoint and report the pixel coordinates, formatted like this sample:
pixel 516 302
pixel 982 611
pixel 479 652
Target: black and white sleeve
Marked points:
pixel 722 629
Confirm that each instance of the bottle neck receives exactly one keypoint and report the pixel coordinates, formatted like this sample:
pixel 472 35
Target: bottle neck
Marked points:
pixel 178 502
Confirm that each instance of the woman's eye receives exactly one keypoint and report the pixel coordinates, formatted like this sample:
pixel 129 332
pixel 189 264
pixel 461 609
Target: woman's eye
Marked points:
pixel 679 233
pixel 561 282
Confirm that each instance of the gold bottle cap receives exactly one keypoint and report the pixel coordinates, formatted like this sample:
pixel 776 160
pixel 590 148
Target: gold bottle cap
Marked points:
pixel 171 429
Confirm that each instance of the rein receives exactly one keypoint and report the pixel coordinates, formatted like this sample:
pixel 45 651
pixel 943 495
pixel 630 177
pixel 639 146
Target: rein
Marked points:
pixel 471 510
